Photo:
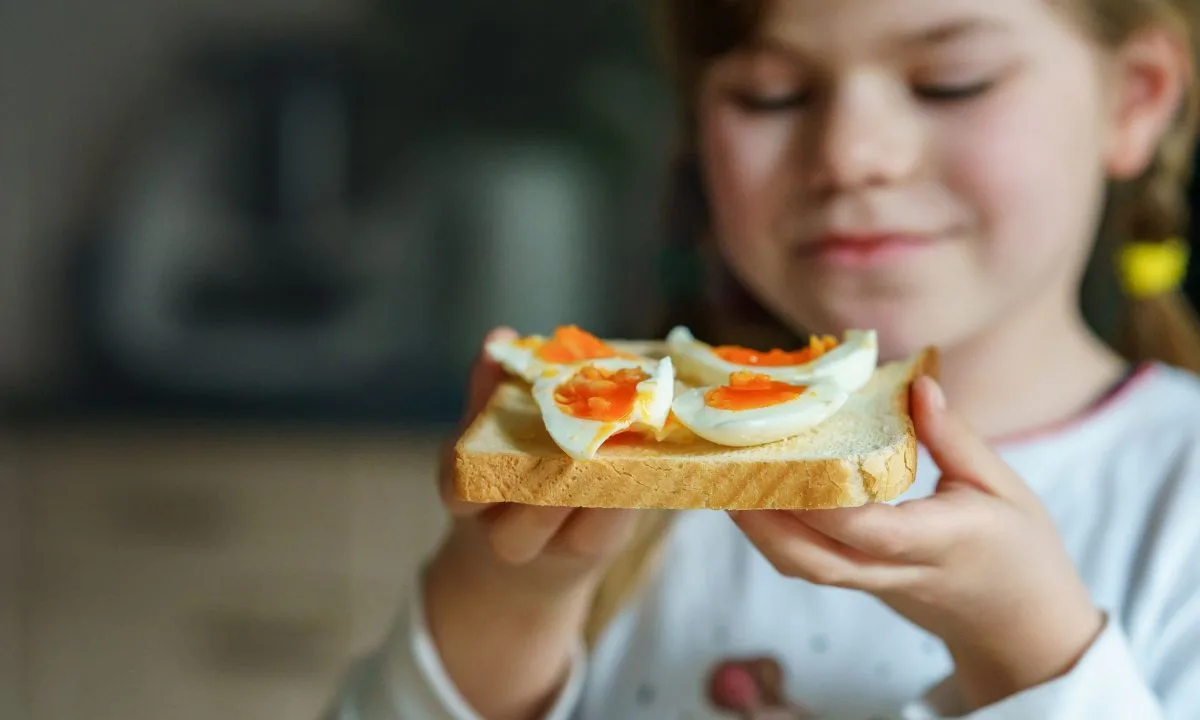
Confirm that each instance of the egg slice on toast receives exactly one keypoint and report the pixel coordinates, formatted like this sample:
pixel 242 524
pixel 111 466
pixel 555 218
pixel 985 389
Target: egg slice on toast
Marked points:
pixel 754 409
pixel 849 363
pixel 584 406
pixel 532 356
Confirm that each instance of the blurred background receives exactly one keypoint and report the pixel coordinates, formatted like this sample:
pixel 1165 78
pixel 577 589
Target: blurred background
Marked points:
pixel 247 250
pixel 315 208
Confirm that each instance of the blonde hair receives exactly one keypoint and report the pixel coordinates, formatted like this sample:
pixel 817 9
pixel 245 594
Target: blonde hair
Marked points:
pixel 1151 208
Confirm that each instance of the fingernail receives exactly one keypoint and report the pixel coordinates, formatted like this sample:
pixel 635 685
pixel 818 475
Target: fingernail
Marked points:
pixel 936 395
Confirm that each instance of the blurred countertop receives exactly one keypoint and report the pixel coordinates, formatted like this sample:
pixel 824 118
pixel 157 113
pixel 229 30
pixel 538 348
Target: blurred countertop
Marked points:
pixel 203 569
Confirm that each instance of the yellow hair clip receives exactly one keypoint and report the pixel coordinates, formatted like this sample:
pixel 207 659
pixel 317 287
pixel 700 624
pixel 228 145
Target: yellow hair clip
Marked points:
pixel 1149 269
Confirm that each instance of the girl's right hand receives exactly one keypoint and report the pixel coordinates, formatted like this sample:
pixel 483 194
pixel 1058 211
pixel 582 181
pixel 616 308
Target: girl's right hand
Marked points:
pixel 547 550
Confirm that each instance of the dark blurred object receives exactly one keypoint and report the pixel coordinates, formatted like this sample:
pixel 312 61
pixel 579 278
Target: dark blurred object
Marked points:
pixel 290 176
pixel 251 252
pixel 534 54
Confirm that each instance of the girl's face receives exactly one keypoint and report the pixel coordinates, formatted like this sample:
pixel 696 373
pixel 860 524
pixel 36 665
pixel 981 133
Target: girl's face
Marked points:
pixel 926 168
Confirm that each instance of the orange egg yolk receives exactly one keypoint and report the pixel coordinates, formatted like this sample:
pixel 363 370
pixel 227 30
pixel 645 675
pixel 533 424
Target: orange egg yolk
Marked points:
pixel 569 344
pixel 750 391
pixel 596 394
pixel 817 346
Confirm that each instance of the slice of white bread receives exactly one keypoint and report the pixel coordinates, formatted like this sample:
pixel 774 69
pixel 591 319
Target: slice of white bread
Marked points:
pixel 867 452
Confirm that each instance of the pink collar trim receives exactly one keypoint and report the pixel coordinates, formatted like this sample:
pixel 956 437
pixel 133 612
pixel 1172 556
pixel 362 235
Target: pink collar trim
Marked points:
pixel 1119 393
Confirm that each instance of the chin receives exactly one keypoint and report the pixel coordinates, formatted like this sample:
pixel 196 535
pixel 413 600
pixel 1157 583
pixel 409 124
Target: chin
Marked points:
pixel 897 346
pixel 903 328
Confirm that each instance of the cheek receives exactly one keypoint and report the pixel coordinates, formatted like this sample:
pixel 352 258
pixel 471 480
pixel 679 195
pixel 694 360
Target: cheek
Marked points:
pixel 1030 177
pixel 745 162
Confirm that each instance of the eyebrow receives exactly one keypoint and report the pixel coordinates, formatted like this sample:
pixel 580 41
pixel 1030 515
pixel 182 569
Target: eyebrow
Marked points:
pixel 947 32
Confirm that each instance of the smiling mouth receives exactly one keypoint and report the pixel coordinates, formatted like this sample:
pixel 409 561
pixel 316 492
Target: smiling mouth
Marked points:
pixel 858 251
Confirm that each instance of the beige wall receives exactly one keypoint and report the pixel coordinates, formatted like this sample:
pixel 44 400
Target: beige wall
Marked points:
pixel 70 71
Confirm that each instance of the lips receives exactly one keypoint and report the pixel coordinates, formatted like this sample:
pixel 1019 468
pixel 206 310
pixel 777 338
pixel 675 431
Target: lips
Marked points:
pixel 856 250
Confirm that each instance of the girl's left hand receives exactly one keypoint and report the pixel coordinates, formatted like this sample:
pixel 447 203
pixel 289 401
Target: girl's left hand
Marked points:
pixel 979 563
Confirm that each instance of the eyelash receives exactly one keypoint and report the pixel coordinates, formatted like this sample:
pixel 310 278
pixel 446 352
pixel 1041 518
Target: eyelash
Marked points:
pixel 759 104
pixel 932 93
pixel 953 93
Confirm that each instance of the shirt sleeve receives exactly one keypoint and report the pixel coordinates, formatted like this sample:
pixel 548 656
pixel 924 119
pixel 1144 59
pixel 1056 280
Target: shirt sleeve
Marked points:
pixel 1145 665
pixel 405 680
pixel 1104 683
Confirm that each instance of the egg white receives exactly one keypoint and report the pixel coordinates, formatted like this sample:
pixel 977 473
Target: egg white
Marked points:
pixel 759 426
pixel 851 364
pixel 581 438
pixel 516 358
pixel 519 357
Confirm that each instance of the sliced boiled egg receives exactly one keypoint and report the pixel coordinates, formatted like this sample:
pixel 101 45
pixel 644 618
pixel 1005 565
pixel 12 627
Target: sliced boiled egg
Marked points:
pixel 532 356
pixel 584 406
pixel 755 409
pixel 849 363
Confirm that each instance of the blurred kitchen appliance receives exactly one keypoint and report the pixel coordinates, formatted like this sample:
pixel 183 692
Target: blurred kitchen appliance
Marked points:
pixel 255 248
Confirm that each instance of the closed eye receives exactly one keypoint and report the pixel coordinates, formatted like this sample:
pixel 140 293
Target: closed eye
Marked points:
pixel 953 93
pixel 752 103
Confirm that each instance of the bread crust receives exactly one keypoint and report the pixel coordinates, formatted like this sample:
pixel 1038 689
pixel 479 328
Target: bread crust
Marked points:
pixel 678 481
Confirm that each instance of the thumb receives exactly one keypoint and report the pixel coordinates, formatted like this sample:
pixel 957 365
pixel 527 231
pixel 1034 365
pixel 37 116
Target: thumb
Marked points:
pixel 486 374
pixel 958 451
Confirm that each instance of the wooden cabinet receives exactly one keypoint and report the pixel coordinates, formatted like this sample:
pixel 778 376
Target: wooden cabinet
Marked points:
pixel 204 574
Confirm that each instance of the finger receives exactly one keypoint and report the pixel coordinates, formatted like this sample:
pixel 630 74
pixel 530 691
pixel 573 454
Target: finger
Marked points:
pixel 797 550
pixel 955 448
pixel 521 532
pixel 594 532
pixel 914 532
pixel 485 375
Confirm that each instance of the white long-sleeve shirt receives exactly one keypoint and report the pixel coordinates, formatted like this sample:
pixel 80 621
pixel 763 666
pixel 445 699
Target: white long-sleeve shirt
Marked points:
pixel 1123 484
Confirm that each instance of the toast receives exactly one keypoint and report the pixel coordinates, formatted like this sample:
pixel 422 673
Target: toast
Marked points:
pixel 864 453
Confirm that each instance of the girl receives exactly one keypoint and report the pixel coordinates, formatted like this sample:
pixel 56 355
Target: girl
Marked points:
pixel 937 170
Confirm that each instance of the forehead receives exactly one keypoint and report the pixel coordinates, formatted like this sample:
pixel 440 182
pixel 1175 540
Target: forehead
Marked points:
pixel 853 27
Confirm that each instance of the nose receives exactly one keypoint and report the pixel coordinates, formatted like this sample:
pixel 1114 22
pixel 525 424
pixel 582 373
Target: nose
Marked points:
pixel 870 135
